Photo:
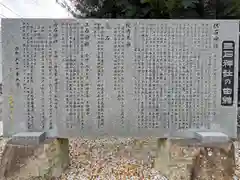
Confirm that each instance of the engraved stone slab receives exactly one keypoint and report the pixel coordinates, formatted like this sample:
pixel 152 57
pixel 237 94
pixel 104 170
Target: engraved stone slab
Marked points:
pixel 96 77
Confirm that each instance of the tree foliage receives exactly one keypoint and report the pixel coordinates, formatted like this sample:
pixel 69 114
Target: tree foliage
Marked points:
pixel 156 9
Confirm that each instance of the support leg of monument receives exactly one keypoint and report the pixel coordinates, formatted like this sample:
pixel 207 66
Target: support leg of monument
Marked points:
pixel 46 160
pixel 12 158
pixel 162 159
pixel 56 153
pixel 214 163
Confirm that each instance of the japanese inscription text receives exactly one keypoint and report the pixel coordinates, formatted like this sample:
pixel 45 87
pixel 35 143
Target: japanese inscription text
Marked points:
pixel 228 49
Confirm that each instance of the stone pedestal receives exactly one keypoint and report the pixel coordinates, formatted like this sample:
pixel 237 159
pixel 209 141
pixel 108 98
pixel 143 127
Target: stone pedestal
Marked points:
pixel 47 160
pixel 214 163
pixel 183 161
pixel 55 158
pixel 13 157
pixel 162 161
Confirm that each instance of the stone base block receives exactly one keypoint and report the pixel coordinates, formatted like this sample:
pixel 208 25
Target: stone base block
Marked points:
pixel 48 160
pixel 214 163
pixel 211 137
pixel 162 160
pixel 177 161
pixel 28 138
pixel 13 157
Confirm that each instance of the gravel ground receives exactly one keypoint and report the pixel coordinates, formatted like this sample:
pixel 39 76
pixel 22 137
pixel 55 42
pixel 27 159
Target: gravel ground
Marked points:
pixel 110 158
pixel 119 159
